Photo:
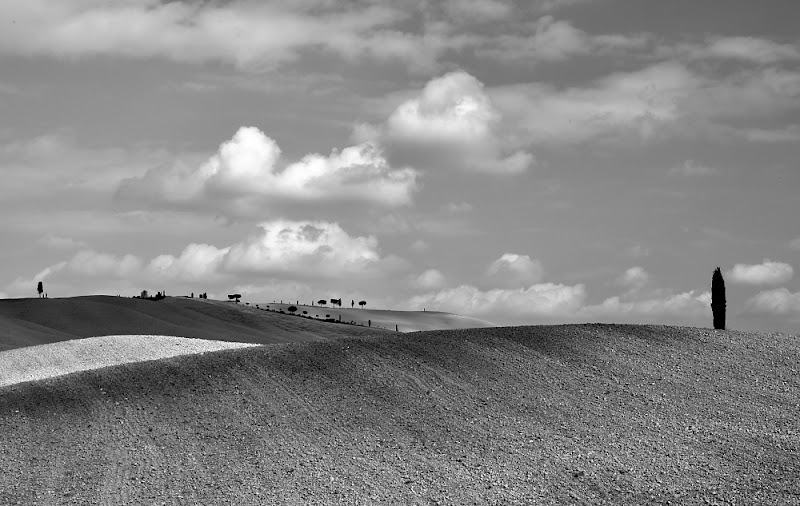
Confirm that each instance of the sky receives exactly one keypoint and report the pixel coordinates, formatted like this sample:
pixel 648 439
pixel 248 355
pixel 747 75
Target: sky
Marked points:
pixel 524 162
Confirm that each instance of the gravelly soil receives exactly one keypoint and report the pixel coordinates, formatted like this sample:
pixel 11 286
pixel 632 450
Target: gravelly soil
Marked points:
pixel 57 359
pixel 574 414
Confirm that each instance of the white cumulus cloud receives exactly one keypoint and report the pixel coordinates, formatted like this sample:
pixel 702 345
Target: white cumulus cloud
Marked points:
pixel 248 165
pixel 513 270
pixel 451 123
pixel 766 273
pixel 634 278
pixel 277 250
pixel 431 279
pixel 303 248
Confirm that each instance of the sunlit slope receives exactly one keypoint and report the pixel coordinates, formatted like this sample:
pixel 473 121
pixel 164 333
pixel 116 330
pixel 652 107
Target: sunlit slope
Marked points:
pixel 31 363
pixel 28 322
pixel 406 321
pixel 573 414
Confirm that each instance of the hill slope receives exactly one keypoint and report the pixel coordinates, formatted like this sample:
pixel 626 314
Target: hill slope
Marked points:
pixel 28 322
pixel 574 414
pixel 406 321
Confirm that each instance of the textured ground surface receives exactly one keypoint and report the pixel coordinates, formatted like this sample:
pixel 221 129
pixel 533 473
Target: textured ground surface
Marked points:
pixel 576 414
pixel 66 357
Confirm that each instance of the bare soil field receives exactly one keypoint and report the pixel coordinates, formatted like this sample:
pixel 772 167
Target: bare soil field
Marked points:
pixel 66 357
pixel 572 414
pixel 29 322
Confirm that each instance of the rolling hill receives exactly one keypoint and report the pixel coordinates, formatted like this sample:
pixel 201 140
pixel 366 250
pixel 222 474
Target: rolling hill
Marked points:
pixel 28 322
pixel 572 414
pixel 406 321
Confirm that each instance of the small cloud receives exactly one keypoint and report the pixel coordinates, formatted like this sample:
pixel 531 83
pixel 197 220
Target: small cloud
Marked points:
pixel 512 270
pixel 457 207
pixel 779 301
pixel 61 243
pixel 795 244
pixel 478 10
pixel 790 133
pixel 554 5
pixel 749 49
pixel 431 279
pixel 634 278
pixel 637 251
pixel 691 168
pixel 765 273
pixel 420 245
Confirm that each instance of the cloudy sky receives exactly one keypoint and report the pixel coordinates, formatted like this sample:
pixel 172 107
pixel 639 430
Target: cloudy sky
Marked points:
pixel 537 161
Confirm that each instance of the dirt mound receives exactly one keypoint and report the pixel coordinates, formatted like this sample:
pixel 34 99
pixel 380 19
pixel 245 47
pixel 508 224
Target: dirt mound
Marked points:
pixel 574 414
pixel 29 322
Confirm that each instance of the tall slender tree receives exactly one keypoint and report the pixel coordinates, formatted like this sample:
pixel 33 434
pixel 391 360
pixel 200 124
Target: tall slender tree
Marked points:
pixel 718 301
pixel 40 289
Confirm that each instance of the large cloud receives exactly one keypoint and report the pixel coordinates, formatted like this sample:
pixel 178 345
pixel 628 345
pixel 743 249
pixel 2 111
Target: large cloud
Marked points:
pixel 451 123
pixel 304 249
pixel 247 166
pixel 766 273
pixel 278 249
pixel 513 270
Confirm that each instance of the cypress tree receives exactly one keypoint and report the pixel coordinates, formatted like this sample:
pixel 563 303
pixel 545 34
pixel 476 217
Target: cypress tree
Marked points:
pixel 718 299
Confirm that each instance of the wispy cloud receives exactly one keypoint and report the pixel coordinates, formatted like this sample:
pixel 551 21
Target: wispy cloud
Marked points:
pixel 243 33
pixel 748 49
pixel 692 168
pixel 779 301
pixel 549 39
